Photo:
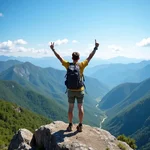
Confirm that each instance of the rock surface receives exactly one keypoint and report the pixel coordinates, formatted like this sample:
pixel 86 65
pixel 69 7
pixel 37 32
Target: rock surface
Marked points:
pixel 55 137
pixel 21 140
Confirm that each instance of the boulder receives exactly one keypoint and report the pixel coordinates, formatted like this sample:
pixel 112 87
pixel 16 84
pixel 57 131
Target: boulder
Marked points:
pixel 54 136
pixel 21 140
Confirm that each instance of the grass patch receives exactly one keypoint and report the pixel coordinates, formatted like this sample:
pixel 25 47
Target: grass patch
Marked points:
pixel 121 146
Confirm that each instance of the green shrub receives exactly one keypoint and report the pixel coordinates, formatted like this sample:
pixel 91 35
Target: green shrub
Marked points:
pixel 128 140
pixel 121 146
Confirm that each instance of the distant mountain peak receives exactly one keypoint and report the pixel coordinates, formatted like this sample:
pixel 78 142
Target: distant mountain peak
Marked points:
pixel 23 72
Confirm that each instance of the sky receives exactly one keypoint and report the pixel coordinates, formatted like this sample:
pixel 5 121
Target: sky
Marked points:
pixel 121 27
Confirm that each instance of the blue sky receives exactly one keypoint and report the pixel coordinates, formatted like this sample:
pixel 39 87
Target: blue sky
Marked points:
pixel 121 27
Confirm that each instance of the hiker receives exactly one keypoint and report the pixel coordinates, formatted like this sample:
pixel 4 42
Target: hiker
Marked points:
pixel 75 86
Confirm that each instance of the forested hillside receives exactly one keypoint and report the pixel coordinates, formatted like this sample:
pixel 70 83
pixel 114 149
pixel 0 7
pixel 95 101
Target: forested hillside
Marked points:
pixel 13 92
pixel 50 83
pixel 14 117
pixel 133 122
pixel 129 112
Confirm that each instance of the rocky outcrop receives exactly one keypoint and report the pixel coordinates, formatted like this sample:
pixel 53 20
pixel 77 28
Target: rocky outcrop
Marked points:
pixel 55 137
pixel 21 140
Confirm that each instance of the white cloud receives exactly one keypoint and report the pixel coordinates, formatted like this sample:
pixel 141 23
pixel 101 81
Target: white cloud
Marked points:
pixel 60 42
pixel 31 50
pixel 20 42
pixel 9 46
pixel 14 48
pixel 1 15
pixel 21 49
pixel 6 45
pixel 41 51
pixel 144 43
pixel 115 48
pixel 75 41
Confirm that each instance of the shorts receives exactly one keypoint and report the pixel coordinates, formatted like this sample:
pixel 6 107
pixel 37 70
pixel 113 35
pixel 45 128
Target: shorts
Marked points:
pixel 72 95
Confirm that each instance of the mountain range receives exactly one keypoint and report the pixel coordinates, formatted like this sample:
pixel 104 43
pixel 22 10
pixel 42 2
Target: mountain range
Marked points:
pixel 31 100
pixel 115 74
pixel 49 82
pixel 44 79
pixel 53 62
pixel 7 64
pixel 127 109
pixel 126 105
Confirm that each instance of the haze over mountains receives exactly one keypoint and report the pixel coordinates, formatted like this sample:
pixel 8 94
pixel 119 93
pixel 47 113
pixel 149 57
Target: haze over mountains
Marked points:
pixel 54 63
pixel 115 74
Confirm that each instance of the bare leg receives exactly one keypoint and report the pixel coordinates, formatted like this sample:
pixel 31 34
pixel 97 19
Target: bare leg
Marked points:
pixel 81 112
pixel 70 112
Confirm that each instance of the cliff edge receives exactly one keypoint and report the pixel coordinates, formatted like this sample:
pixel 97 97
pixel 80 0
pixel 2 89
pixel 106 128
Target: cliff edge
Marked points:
pixel 55 137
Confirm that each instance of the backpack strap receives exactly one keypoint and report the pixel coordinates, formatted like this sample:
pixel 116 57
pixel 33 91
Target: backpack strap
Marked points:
pixel 82 77
pixel 66 76
pixel 70 63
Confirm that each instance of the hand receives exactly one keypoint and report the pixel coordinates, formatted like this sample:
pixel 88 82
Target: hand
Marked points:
pixel 96 44
pixel 52 46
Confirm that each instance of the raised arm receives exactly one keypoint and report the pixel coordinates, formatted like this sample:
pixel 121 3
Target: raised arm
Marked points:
pixel 56 54
pixel 93 52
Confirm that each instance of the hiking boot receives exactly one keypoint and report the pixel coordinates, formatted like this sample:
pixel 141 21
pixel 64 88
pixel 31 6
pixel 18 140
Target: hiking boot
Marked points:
pixel 69 128
pixel 79 127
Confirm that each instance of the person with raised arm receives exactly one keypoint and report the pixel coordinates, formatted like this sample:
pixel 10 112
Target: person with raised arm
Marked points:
pixel 74 83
